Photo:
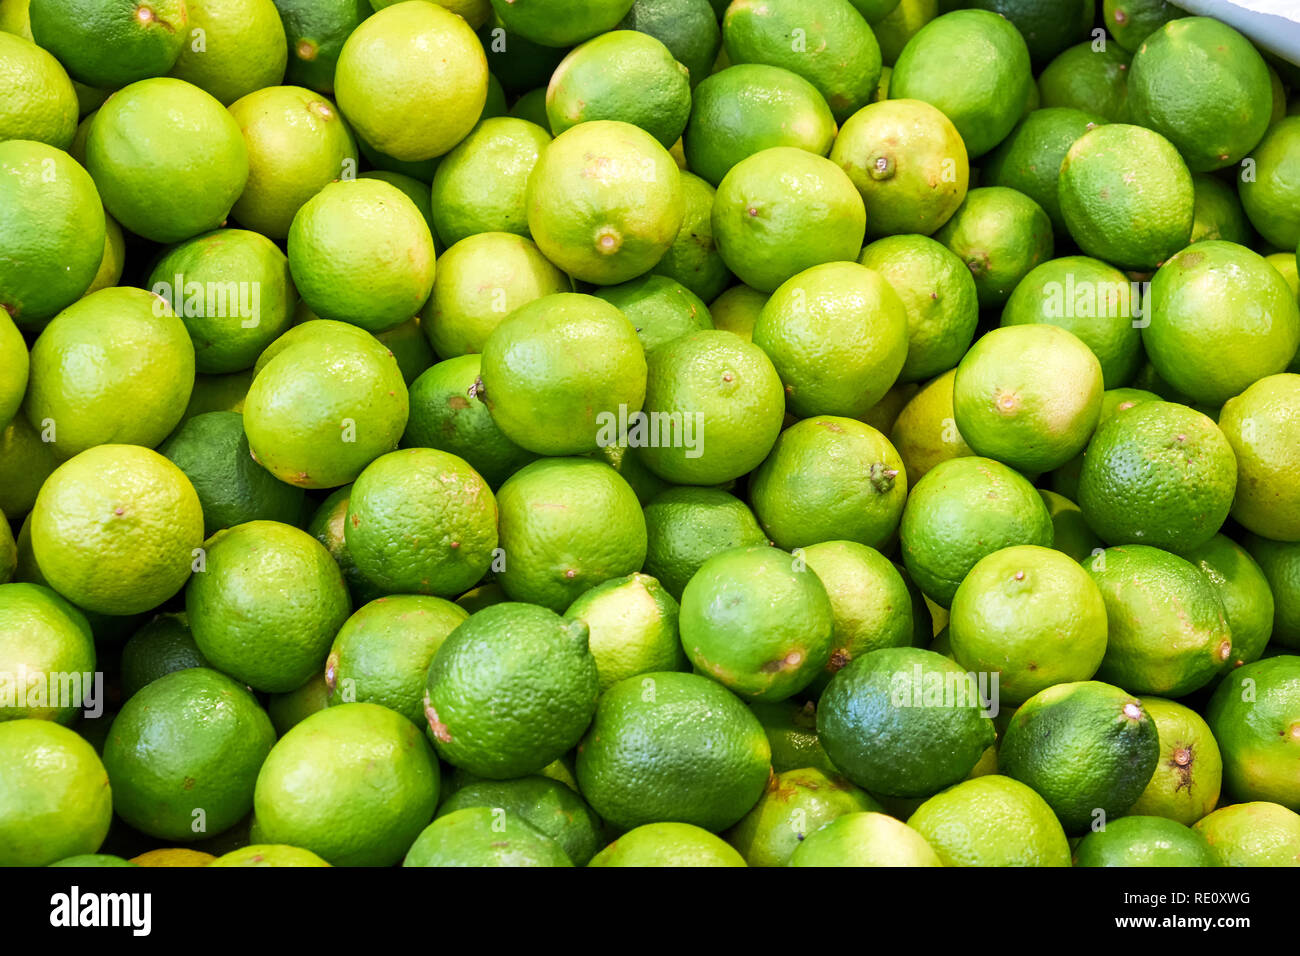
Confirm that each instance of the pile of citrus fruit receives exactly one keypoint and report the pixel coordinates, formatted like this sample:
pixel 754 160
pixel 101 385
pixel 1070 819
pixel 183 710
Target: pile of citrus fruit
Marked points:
pixel 647 433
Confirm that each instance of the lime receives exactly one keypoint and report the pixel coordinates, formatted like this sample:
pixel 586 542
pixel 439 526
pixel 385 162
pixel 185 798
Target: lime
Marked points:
pixel 1280 563
pixel 693 258
pixel 16 370
pixel 689 28
pixel 687 526
pixel 110 43
pixel 243 48
pixel 184 752
pixel 864 839
pixel 412 60
pixel 1263 426
pixel 795 805
pixel 267 605
pixel 1000 234
pixel 1255 717
pixel 560 22
pixel 47 655
pixel 519 63
pixel 632 625
pixel 85 860
pixel 1203 86
pixel 269 855
pixel 710 380
pixel 939 295
pixel 736 310
pixel 298 142
pixel 925 432
pixel 55 800
pixel 510 690
pixel 963 509
pixel 1218 212
pixel 1144 841
pixel 672 748
pixel 668 844
pixel 991 820
pixel 605 201
pixel 791 731
pixel 567 524
pixel 484 836
pixel 294 707
pixel 1089 78
pixel 1126 196
pixel 1160 474
pixel 1070 532
pixel 40 102
pixel 1271 192
pixel 114 529
pixel 181 857
pixel 660 308
pixel 1167 631
pixel 1132 21
pixel 1185 786
pixel 1247 601
pixel 382 652
pixel 53 224
pixel 552 808
pixel 162 646
pixel 167 131
pixel 1091 299
pixel 974 66
pixel 1221 318
pixel 1048 26
pixel 827 479
pixel 1253 834
pixel 353 784
pixel 751 107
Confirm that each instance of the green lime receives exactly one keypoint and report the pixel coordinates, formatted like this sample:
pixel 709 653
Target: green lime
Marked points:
pixel 1160 474
pixel 864 839
pixel 269 855
pixel 327 526
pixel 660 308
pixel 519 63
pixel 632 624
pixel 1000 234
pixel 1280 562
pixel 167 131
pixel 1247 601
pixel 795 805
pixel 1263 426
pixel 86 860
pixel 1132 21
pixel 925 432
pixel 298 143
pixel 162 646
pixel 1048 26
pixel 672 748
pixel 484 836
pixel 110 43
pixel 353 784
pixel 566 525
pixel 693 258
pixel 294 707
pixel 1089 78
pixel 412 60
pixel 1091 299
pixel 991 820
pixel 974 66
pixel 736 310
pixel 1253 834
pixel 1219 213
pixel 1070 532
pixel 1271 192
pixel 1168 634
pixel 243 48
pixel 40 103
pixel 47 655
pixel 531 107
pixel 1144 841
pixel 1189 773
pixel 184 752
pixel 791 730
pixel 16 371
pixel 784 210
pixel 510 690
pixel 550 806
pixel 829 479
pixel 963 509
pixel 689 28
pixel 410 347
pixel 668 844
pixel 687 526
pixel 560 22
pixel 751 107
pixel 218 393
pixel 1255 717
pixel 267 605
pixel 55 800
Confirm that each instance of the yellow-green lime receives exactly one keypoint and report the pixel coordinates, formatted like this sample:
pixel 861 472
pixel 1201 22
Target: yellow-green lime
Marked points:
pixel 1247 601
pixel 795 805
pixel 1272 191
pixel 1144 841
pixel 40 103
pixel 991 820
pixel 1000 234
pixel 1253 834
pixel 243 47
pixel 736 310
pixel 1263 426
pixel 1280 562
pixel 42 636
pixel 560 22
pixel 661 309
pixel 269 855
pixel 1255 717
pixel 483 836
pixel 1070 532
pixel 668 844
pixel 1029 160
pixel 693 258
pixel 925 432
pixel 864 839
pixel 632 625
pixel 1189 773
pixel 1218 212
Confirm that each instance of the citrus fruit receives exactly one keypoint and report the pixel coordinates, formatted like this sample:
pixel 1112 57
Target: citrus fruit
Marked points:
pixel 560 372
pixel 566 525
pixel 925 432
pixel 297 142
pixel 323 407
pixel 483 836
pixel 1270 194
pixel 672 748
pixel 687 526
pixel 353 784
pixel 410 349
pixel 166 131
pixel 1127 196
pixel 661 309
pixel 560 22
pixel 269 855
pixel 826 479
pixel 412 60
pixel 212 450
pixel 289 709
pixel 836 51
pixel 791 730
pixel 46 652
pixel 1253 834
pixel 243 47
pixel 1167 631
pixel 1263 426
pixel 974 66
pixel 1132 21
pixel 1048 27
pixel 668 844
pixel 510 689
pixel 1070 532
pixel 421 521
pixel 795 805
pixel 1159 474
pixel 267 605
pixel 604 201
pixel 1144 841
pixel 381 653
pixel 482 184
pixel 16 370
pixel 837 335
pixel 632 625
pixel 162 646
pixel 184 752
pixel 53 227
pixel 693 259
pixel 1247 601
pixel 1280 562
pixel 40 103
pixel 1000 234
pixel 233 291
pixel 903 722
pixel 1091 299
pixel 110 43
pixel 747 108
pixel 173 857
pixel 114 528
pixel 991 820
pixel 711 380
pixel 1204 87
pixel 1030 615
pixel 864 839
pixel 736 310
pixel 55 800
pixel 939 295
pixel 1189 773
pixel 85 860
pixel 1221 318
pixel 315 31
pixel 963 509
pixel 784 210
pixel 689 28
pixel 1255 717
pixel 551 807
pixel 1087 748
pixel 1089 78
pixel 1218 212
